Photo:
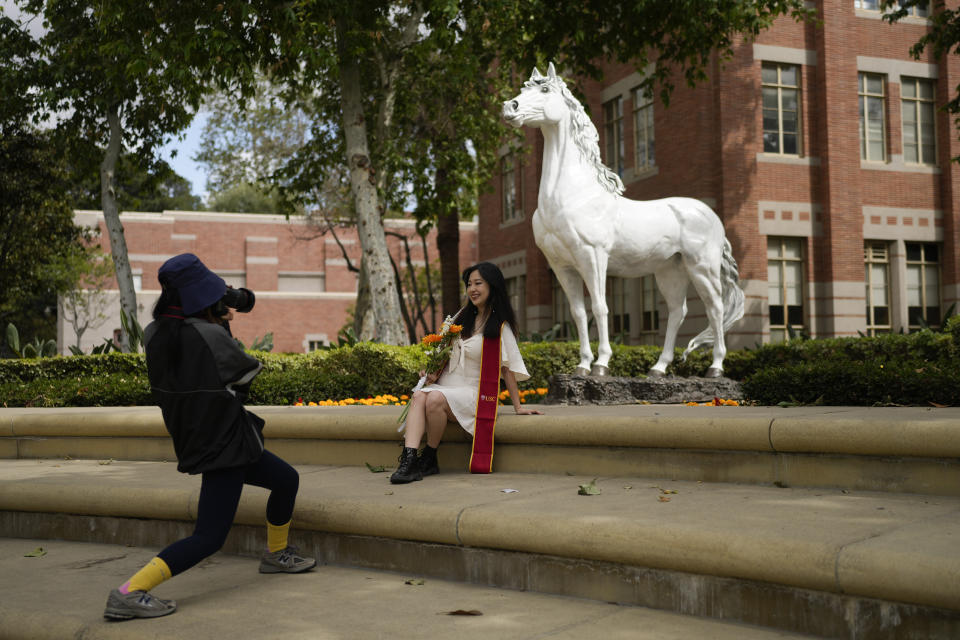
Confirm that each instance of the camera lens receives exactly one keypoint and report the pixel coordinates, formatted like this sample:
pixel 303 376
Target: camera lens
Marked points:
pixel 240 299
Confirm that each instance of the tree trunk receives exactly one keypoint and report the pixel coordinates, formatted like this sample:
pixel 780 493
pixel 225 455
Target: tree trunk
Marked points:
pixel 448 246
pixel 376 260
pixel 111 215
pixel 364 324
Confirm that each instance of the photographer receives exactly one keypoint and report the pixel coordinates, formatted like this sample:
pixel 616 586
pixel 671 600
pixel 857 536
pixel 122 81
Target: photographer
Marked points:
pixel 200 377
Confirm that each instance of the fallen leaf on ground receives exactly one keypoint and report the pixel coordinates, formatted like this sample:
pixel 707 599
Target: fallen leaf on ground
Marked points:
pixel 36 553
pixel 509 491
pixel 663 498
pixel 375 469
pixel 628 486
pixel 668 491
pixel 589 489
pixel 465 612
pixel 104 462
pixel 414 581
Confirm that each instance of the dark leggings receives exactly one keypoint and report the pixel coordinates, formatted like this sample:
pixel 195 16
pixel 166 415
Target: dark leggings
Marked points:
pixel 219 497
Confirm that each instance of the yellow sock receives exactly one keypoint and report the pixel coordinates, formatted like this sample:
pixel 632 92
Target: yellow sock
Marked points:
pixel 155 572
pixel 277 536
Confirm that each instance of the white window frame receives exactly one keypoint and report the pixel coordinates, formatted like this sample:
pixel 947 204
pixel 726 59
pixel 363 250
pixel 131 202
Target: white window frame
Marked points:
pixel 643 130
pixel 865 98
pixel 780 332
pixel 613 134
pixel 877 253
pixel 920 124
pixel 781 89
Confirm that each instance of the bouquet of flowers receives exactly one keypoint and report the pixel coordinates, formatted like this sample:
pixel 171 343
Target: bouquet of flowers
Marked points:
pixel 438 347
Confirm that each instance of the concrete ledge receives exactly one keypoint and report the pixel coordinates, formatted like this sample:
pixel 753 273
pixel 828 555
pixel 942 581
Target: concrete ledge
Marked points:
pixel 900 548
pixel 872 431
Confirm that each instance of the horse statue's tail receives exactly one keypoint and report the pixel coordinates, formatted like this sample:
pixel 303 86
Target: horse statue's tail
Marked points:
pixel 732 299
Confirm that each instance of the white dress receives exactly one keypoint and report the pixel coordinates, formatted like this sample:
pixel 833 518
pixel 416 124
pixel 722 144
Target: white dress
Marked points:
pixel 460 381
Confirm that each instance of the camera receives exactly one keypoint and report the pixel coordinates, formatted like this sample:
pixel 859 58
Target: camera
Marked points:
pixel 241 299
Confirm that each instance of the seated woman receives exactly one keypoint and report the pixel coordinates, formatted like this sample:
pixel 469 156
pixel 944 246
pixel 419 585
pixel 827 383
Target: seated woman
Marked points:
pixel 454 394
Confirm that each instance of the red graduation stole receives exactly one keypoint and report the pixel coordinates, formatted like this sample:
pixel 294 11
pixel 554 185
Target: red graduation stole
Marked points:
pixel 481 455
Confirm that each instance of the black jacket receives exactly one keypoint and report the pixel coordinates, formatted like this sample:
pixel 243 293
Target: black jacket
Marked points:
pixel 200 376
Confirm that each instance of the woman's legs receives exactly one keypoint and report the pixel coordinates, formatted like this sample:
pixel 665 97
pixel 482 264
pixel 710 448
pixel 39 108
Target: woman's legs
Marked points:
pixel 219 496
pixel 416 420
pixel 429 413
pixel 438 413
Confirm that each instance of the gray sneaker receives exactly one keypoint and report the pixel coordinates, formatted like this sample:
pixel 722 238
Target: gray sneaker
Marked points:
pixel 136 604
pixel 286 560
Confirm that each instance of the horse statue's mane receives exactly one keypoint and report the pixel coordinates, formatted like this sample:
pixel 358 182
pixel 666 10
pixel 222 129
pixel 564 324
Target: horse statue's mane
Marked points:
pixel 585 134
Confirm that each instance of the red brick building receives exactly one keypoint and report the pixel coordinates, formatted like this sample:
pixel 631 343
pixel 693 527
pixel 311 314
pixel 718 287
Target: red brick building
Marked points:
pixel 823 150
pixel 304 289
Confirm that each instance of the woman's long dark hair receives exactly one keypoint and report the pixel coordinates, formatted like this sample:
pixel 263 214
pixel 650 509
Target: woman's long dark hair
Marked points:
pixel 498 303
pixel 164 351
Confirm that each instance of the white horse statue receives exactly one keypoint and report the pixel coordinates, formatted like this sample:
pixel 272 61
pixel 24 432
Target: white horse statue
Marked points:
pixel 587 229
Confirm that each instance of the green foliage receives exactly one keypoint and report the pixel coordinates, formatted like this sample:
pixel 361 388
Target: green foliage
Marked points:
pixel 245 198
pixel 259 344
pixel 360 371
pixel 917 368
pixel 62 368
pixel 143 184
pixel 13 339
pixel 39 348
pixel 102 390
pixel 847 382
pixel 38 238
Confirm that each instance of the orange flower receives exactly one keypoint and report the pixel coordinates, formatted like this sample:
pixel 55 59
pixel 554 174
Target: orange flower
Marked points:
pixel 456 328
pixel 431 338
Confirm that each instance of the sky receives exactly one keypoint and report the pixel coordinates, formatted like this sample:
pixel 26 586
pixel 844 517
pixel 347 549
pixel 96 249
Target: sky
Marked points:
pixel 183 163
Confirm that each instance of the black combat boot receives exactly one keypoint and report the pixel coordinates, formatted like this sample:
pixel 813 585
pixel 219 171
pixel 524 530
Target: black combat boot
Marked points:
pixel 409 468
pixel 428 461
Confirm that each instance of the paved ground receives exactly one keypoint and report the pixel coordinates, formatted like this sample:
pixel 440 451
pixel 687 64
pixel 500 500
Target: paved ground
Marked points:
pixel 62 594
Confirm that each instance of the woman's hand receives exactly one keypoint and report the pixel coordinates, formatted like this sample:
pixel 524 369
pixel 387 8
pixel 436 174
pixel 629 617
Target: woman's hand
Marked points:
pixel 431 377
pixel 523 411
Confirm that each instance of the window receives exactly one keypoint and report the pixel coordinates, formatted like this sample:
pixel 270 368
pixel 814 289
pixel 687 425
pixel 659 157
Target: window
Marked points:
pixel 137 282
pixel 618 318
pixel 643 144
pixel 315 345
pixel 649 316
pixel 784 286
pixel 923 285
pixel 920 10
pixel 876 258
pixel 613 132
pixel 510 203
pixel 517 293
pixel 919 136
pixel 781 108
pixel 872 127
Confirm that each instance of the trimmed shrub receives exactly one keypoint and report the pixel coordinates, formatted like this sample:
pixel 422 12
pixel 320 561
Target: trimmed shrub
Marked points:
pixel 104 390
pixel 844 382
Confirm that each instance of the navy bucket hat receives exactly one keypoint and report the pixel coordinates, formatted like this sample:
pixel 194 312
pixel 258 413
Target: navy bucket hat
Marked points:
pixel 197 285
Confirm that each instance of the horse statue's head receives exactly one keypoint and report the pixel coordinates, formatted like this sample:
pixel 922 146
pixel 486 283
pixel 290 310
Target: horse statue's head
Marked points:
pixel 544 102
pixel 541 101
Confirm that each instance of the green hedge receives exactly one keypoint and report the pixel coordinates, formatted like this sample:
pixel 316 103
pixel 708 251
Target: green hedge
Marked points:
pixel 917 368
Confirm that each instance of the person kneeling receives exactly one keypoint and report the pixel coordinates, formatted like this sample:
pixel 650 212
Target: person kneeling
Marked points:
pixel 200 376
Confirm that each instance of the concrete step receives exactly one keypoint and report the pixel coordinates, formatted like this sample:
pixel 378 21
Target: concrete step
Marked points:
pixel 828 562
pixel 896 449
pixel 62 595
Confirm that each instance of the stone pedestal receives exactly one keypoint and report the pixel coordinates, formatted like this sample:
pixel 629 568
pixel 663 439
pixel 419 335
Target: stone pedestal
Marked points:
pixel 576 390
